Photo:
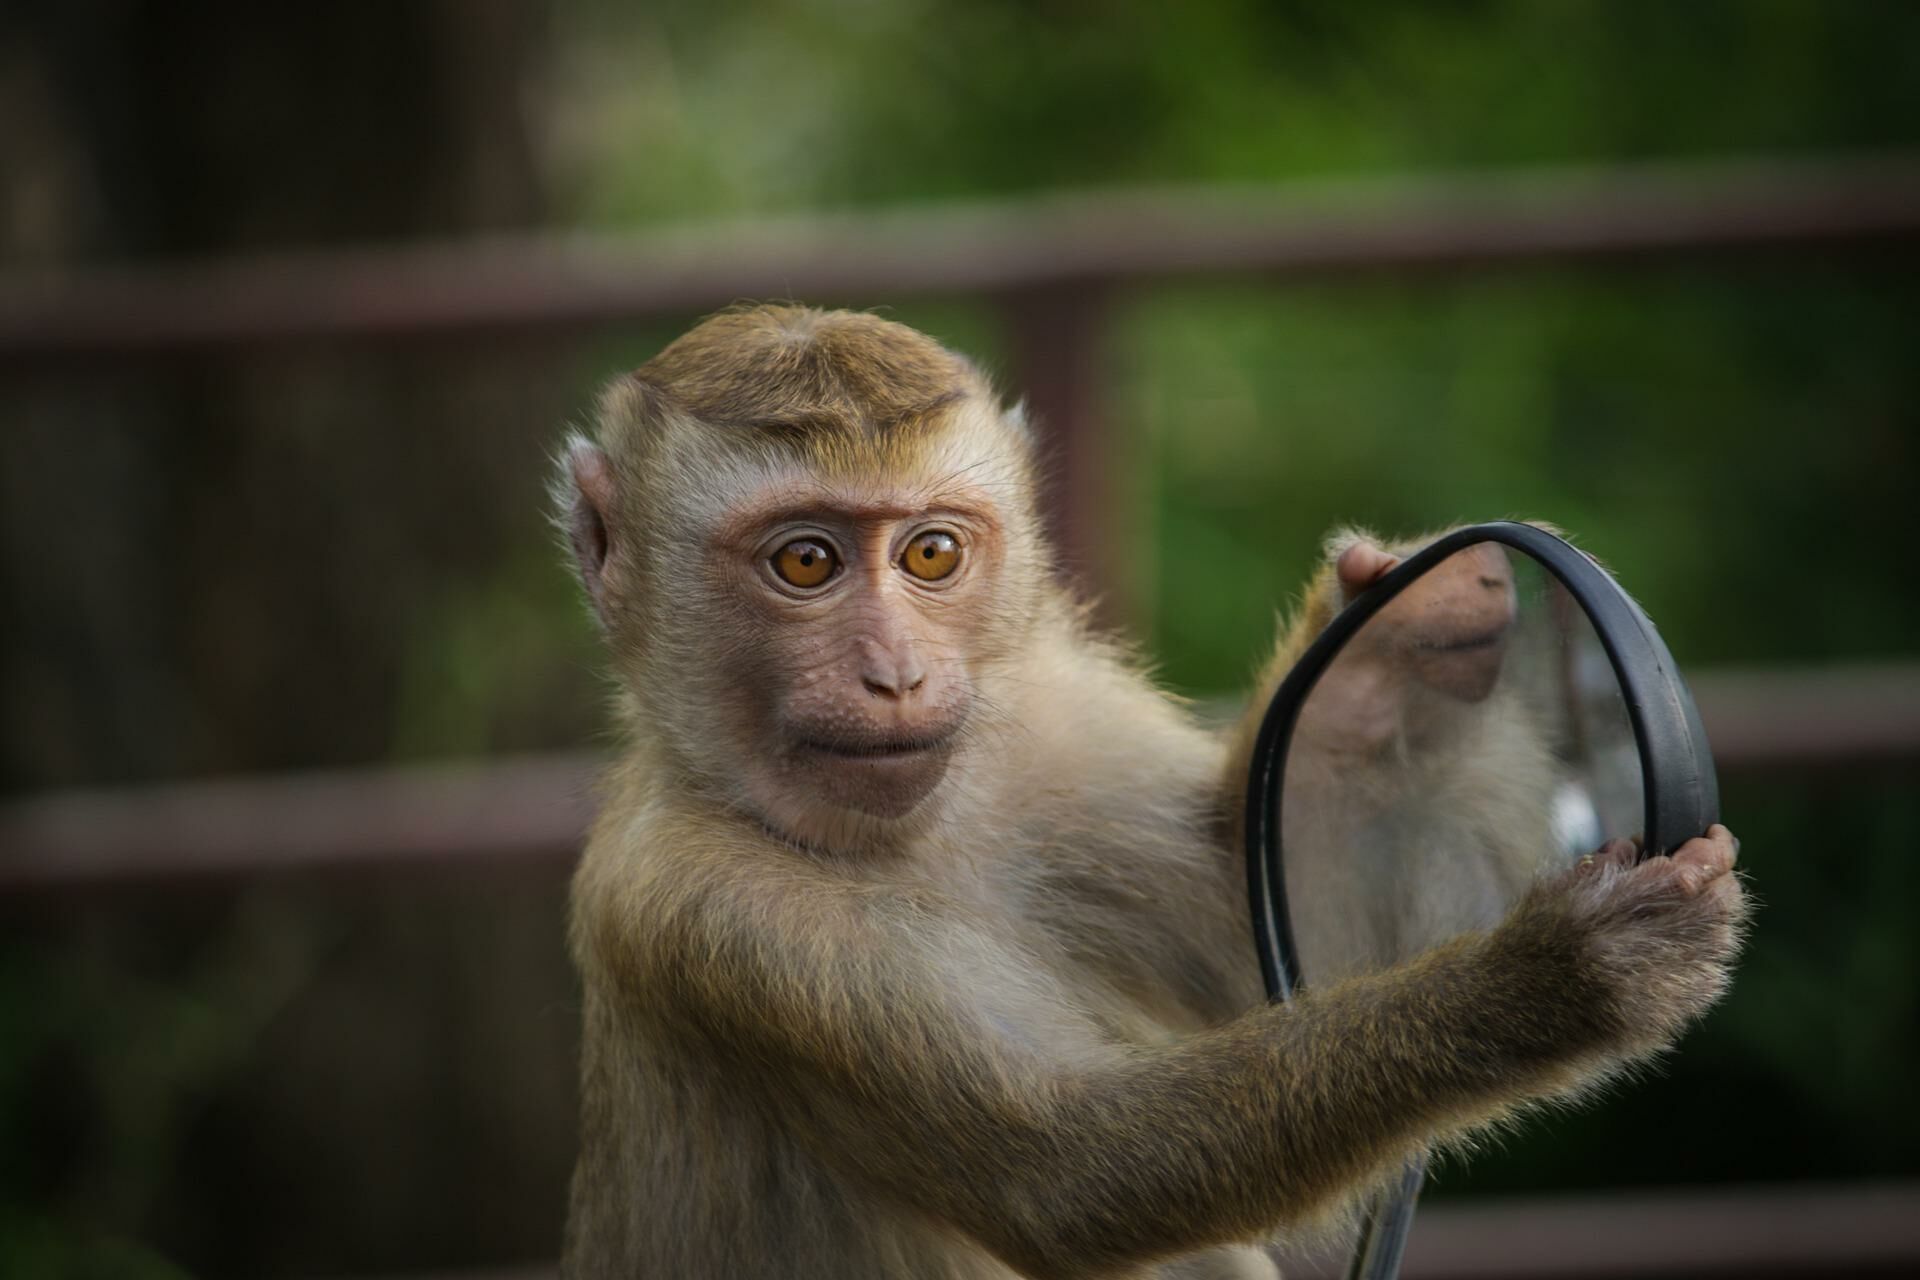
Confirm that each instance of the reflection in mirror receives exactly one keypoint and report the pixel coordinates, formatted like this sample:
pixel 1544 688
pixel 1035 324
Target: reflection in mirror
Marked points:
pixel 1469 738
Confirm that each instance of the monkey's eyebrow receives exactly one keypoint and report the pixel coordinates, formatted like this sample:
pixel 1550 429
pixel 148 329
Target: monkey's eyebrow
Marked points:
pixel 749 522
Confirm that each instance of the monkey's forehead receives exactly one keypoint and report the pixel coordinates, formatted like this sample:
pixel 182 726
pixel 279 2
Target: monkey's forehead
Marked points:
pixel 956 469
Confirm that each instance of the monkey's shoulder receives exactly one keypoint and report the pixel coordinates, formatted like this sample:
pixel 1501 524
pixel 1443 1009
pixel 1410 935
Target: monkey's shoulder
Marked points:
pixel 1109 749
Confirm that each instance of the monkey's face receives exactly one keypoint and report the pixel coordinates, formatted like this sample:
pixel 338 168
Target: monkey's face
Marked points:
pixel 865 607
pixel 1449 629
pixel 1437 646
pixel 813 543
pixel 825 642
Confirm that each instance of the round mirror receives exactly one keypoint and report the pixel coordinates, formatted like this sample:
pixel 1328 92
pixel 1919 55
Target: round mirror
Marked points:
pixel 1491 710
pixel 1466 738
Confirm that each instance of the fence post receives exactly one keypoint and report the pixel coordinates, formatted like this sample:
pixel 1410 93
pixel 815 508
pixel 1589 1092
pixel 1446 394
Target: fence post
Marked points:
pixel 1057 335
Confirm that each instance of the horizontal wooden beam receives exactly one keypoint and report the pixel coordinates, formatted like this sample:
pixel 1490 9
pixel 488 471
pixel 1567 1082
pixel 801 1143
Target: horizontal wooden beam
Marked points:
pixel 526 812
pixel 553 282
pixel 1748 1231
pixel 531 812
pixel 1772 720
pixel 1761 1233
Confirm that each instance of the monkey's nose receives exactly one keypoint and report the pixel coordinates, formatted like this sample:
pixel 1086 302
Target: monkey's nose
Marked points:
pixel 889 675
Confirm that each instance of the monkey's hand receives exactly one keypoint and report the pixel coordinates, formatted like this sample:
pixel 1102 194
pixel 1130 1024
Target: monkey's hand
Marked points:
pixel 1657 939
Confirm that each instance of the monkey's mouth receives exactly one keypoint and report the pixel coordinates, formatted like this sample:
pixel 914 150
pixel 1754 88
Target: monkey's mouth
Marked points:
pixel 1468 644
pixel 876 747
pixel 882 771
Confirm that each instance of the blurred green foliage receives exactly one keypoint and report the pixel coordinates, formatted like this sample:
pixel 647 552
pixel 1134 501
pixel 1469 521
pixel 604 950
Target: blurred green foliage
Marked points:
pixel 689 108
pixel 1713 437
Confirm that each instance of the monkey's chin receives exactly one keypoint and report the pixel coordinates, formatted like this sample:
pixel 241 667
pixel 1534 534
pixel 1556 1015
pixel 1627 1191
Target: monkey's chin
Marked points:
pixel 1467 669
pixel 829 798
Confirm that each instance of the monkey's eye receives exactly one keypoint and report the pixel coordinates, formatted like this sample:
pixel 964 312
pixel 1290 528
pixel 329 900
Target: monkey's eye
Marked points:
pixel 805 562
pixel 931 556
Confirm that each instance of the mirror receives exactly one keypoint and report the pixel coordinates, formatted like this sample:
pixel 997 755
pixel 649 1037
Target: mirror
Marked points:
pixel 1488 712
pixel 1467 737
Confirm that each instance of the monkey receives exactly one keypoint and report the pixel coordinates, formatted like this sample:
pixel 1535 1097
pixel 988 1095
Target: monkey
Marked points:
pixel 910 935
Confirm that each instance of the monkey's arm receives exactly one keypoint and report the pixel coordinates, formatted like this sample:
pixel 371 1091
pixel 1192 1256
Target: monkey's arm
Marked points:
pixel 897 1040
pixel 1325 595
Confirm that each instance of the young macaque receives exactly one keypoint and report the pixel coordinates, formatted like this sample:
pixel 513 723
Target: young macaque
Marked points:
pixel 912 933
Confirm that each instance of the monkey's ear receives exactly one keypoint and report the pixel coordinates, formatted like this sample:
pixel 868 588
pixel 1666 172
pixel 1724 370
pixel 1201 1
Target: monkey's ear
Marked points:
pixel 1021 421
pixel 587 511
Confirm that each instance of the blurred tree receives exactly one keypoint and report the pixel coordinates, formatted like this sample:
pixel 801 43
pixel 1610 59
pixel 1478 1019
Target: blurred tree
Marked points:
pixel 224 565
pixel 228 572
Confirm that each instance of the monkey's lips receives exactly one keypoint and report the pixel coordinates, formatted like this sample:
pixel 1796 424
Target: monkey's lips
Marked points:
pixel 1471 643
pixel 1464 666
pixel 876 747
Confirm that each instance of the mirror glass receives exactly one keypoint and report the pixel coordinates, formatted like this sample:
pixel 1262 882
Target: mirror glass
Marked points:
pixel 1469 737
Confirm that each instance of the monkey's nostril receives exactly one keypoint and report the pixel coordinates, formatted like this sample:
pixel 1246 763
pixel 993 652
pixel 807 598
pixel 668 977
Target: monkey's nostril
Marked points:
pixel 889 680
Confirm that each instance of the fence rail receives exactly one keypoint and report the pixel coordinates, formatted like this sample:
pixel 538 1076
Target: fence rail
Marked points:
pixel 544 284
pixel 1776 1232
pixel 1051 265
pixel 1756 1233
pixel 531 813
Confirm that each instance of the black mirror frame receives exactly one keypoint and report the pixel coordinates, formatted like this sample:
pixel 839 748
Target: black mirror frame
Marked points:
pixel 1681 790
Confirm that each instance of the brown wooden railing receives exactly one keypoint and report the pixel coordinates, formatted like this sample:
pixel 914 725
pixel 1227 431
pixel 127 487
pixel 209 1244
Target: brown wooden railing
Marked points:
pixel 1871 1230
pixel 530 812
pixel 1052 266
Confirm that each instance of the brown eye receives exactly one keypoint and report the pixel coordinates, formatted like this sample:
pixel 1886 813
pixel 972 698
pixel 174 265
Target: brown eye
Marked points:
pixel 804 562
pixel 932 556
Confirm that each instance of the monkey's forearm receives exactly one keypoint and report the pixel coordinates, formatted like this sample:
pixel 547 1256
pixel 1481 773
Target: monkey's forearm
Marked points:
pixel 1319 603
pixel 1065 1165
pixel 1284 1112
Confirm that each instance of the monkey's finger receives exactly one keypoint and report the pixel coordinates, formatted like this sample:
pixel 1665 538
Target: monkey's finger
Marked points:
pixel 1705 859
pixel 1361 565
pixel 1620 853
pixel 1614 853
pixel 1719 831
